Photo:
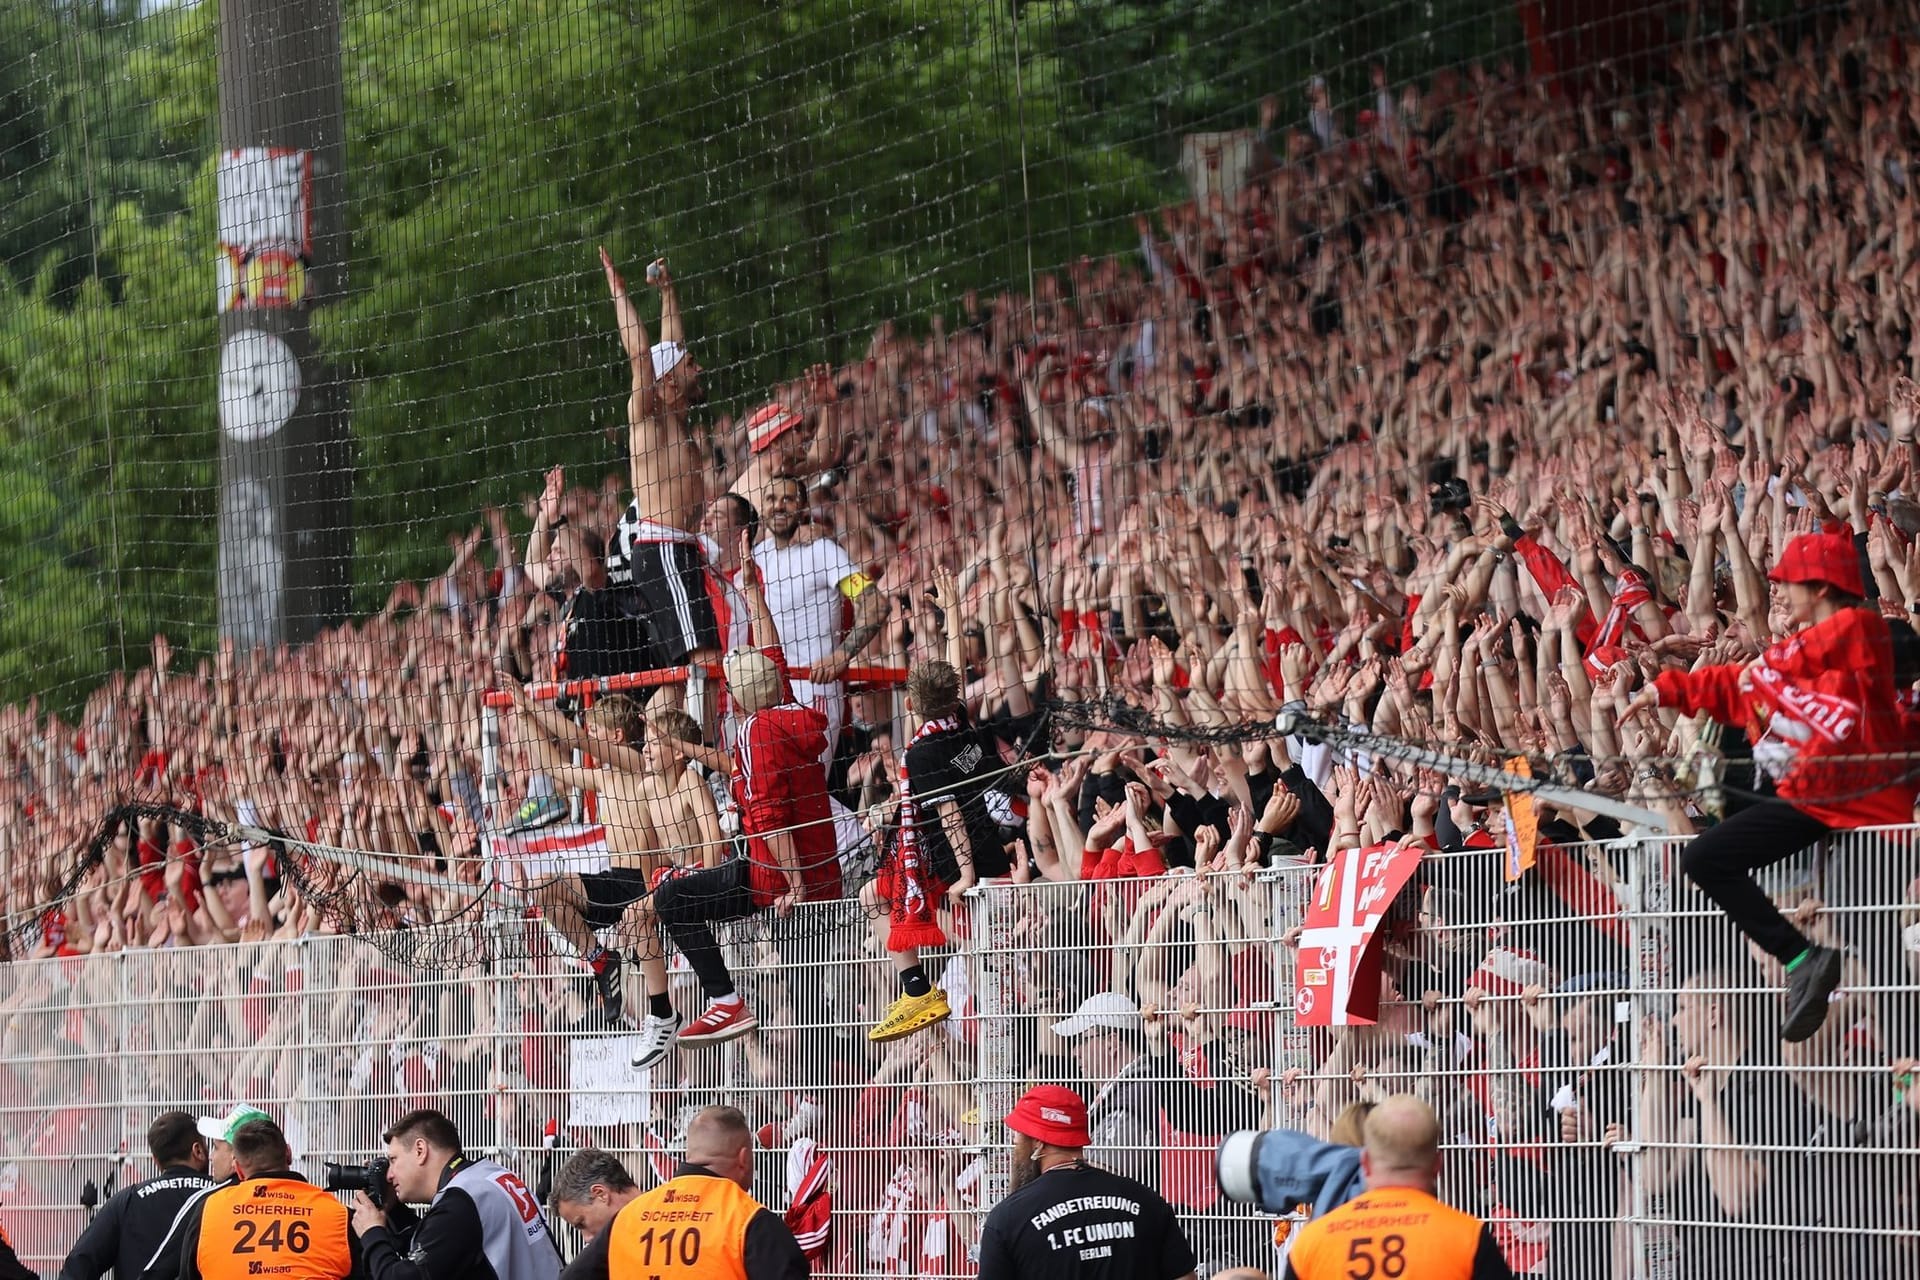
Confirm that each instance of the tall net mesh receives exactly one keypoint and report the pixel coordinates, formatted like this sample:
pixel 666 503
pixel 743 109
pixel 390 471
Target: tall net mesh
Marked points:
pixel 501 479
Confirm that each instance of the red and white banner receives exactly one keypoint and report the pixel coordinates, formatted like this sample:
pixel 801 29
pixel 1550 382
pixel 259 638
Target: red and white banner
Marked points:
pixel 1337 974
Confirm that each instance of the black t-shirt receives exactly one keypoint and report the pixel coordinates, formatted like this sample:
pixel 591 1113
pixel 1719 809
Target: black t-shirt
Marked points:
pixel 606 634
pixel 1083 1223
pixel 959 766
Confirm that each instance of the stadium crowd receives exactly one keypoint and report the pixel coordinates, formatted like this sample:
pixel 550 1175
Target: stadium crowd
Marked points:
pixel 1471 419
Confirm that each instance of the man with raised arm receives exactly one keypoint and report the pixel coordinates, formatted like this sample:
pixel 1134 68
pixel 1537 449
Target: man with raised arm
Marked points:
pixel 655 551
pixel 595 890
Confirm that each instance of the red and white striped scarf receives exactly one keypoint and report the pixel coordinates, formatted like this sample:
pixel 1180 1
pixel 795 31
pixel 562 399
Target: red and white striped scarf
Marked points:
pixel 1608 644
pixel 912 889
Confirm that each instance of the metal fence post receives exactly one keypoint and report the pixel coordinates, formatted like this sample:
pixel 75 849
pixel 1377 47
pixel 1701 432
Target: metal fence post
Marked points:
pixel 993 979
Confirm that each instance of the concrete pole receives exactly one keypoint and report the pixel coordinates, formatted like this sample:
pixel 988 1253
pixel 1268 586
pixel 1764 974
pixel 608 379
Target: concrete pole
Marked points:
pixel 285 446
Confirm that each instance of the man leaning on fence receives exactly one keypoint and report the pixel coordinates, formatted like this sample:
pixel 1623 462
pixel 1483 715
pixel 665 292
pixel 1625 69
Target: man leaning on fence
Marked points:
pixel 590 1190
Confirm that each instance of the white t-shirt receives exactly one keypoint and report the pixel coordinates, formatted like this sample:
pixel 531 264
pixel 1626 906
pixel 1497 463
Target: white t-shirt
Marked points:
pixel 804 595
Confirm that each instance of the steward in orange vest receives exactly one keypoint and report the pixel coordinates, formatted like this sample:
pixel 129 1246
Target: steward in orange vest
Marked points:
pixel 1396 1229
pixel 272 1223
pixel 702 1224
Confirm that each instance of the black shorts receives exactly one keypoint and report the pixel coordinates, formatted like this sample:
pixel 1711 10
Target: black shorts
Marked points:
pixel 610 893
pixel 724 892
pixel 671 579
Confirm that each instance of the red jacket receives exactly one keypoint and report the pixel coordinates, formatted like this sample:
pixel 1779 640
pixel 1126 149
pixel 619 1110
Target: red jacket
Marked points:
pixel 780 784
pixel 1815 698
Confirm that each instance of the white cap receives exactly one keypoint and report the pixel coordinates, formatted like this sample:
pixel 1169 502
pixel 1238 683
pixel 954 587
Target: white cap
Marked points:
pixel 665 356
pixel 753 681
pixel 221 1130
pixel 1107 1009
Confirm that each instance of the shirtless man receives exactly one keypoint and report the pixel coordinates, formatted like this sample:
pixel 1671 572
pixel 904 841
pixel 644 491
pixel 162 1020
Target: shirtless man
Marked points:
pixel 655 551
pixel 583 901
pixel 652 803
pixel 685 815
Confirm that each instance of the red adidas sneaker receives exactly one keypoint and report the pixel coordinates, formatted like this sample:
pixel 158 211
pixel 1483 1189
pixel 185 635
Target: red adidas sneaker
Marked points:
pixel 720 1023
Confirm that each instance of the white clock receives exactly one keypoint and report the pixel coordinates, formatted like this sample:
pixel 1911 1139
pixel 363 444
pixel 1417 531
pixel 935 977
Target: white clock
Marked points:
pixel 259 385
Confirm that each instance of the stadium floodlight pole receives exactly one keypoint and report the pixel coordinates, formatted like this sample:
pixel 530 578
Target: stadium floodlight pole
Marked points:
pixel 1293 721
pixel 285 462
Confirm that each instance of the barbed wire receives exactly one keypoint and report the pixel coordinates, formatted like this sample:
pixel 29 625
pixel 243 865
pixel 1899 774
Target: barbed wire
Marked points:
pixel 350 887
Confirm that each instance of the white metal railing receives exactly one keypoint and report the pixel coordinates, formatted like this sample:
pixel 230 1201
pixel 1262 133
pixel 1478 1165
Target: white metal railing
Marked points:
pixel 1635 1118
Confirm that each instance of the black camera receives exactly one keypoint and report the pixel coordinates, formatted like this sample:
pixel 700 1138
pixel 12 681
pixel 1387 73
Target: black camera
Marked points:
pixel 370 1177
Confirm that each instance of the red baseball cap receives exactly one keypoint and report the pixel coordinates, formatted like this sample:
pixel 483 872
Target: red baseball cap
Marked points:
pixel 768 424
pixel 1821 557
pixel 1052 1114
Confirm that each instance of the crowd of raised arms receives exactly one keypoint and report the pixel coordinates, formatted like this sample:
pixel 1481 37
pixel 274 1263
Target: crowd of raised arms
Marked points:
pixel 1496 418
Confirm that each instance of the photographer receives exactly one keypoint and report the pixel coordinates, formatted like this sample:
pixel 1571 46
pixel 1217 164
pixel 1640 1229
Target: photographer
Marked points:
pixel 272 1222
pixel 481 1220
pixel 135 1221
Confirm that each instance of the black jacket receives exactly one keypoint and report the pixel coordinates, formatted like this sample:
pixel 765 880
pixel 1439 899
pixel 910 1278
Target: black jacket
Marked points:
pixel 128 1231
pixel 450 1241
pixel 11 1268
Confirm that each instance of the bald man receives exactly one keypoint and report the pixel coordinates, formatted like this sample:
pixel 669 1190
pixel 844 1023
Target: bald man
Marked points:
pixel 1396 1229
pixel 736 1238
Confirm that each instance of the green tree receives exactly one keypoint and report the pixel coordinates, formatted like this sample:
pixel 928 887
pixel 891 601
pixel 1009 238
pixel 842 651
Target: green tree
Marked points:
pixel 811 167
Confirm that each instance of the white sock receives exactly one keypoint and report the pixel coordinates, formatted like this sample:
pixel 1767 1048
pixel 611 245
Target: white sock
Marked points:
pixel 726 1002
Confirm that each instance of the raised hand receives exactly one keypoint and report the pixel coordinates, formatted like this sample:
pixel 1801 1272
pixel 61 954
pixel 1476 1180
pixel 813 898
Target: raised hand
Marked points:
pixel 616 285
pixel 749 580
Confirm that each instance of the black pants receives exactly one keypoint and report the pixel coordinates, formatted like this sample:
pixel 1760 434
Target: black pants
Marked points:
pixel 1723 859
pixel 687 904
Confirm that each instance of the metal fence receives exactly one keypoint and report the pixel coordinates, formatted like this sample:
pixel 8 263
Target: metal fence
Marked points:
pixel 1600 1049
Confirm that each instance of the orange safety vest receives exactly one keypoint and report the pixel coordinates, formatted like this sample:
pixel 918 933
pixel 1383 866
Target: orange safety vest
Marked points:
pixel 275 1227
pixel 691 1228
pixel 1395 1233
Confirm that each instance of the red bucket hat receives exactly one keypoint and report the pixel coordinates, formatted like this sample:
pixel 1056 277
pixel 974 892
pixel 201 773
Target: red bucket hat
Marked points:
pixel 1051 1114
pixel 1821 557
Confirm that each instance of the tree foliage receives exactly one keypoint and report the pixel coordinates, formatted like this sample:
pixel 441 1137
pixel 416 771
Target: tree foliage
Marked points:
pixel 811 167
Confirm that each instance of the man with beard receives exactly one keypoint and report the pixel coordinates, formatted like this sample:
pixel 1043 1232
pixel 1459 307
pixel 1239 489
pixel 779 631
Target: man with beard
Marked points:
pixel 1065 1217
pixel 655 552
pixel 809 586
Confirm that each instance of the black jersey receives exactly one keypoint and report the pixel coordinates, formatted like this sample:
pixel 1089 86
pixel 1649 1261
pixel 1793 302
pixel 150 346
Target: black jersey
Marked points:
pixel 959 766
pixel 1081 1222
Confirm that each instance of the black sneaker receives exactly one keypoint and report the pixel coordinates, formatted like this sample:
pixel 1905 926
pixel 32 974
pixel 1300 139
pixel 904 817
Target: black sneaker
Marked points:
pixel 606 976
pixel 1808 987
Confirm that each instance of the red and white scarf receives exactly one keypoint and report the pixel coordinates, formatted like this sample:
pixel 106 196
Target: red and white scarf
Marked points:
pixel 912 889
pixel 1608 645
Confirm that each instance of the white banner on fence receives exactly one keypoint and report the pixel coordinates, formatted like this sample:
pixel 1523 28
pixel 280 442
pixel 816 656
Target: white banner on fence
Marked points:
pixel 605 1090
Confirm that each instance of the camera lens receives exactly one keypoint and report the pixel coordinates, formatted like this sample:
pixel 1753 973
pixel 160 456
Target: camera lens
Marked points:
pixel 1235 1165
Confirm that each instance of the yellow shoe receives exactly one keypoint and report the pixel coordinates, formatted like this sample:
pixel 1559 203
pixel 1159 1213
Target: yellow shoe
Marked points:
pixel 910 1014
